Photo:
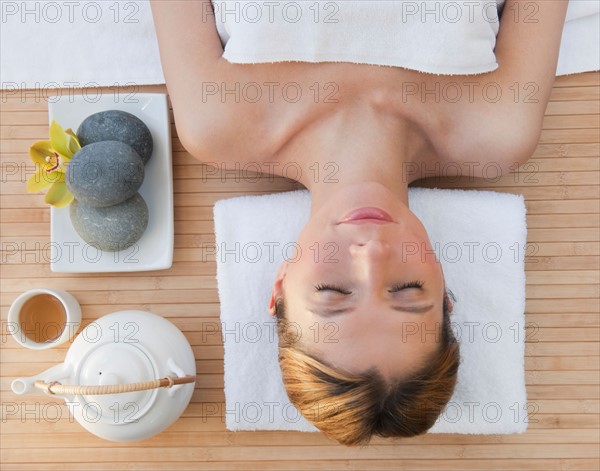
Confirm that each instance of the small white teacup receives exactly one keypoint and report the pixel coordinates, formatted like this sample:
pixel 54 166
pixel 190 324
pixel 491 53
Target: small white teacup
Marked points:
pixel 43 318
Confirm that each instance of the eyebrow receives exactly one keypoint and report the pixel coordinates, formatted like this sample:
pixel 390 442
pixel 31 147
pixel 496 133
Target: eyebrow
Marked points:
pixel 409 309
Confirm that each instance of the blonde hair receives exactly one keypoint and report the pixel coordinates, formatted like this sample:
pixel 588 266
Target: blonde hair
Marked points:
pixel 351 408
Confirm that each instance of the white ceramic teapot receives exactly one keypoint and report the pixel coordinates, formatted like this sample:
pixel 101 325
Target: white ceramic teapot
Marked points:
pixel 127 376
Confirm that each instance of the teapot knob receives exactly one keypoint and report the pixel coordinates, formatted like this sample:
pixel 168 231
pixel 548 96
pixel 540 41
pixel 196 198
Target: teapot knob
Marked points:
pixel 109 378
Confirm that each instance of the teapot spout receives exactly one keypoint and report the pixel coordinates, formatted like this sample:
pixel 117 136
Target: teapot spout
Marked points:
pixel 26 385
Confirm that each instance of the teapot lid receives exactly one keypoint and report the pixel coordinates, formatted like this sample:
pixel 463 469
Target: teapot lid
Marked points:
pixel 117 363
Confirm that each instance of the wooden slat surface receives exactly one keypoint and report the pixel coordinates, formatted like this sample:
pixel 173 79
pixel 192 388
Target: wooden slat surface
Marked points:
pixel 561 185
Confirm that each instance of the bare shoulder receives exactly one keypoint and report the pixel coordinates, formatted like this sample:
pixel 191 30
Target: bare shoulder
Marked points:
pixel 228 120
pixel 496 118
pixel 475 122
pixel 509 119
pixel 213 106
pixel 501 129
pixel 251 112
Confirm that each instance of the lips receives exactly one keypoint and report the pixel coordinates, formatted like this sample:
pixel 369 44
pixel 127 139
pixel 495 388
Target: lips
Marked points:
pixel 367 215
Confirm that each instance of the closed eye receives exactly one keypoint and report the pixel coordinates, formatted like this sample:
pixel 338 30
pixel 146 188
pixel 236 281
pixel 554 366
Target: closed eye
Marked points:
pixel 326 287
pixel 403 286
pixel 394 289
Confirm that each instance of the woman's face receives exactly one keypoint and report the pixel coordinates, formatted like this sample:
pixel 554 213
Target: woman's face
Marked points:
pixel 364 292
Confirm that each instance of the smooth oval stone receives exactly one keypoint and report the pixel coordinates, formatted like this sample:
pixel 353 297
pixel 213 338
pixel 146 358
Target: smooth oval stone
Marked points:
pixel 105 173
pixel 112 228
pixel 116 125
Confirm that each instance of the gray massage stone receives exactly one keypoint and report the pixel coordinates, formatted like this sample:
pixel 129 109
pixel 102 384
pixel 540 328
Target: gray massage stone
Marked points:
pixel 113 228
pixel 115 125
pixel 105 173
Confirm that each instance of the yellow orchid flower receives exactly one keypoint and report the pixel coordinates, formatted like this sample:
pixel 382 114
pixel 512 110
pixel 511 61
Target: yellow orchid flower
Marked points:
pixel 51 159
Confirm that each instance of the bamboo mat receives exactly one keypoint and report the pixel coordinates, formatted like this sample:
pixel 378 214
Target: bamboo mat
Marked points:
pixel 561 187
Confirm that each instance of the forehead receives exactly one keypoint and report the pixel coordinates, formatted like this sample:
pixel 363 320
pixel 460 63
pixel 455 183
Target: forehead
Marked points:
pixel 352 347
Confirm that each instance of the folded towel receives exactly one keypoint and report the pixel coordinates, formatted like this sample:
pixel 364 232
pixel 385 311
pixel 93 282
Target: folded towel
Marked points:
pixel 580 43
pixel 479 237
pixel 432 36
pixel 436 37
pixel 49 45
pixel 75 45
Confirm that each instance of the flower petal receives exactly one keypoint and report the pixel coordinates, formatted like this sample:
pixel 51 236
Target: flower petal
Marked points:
pixel 74 145
pixel 59 195
pixel 58 138
pixel 40 150
pixel 39 180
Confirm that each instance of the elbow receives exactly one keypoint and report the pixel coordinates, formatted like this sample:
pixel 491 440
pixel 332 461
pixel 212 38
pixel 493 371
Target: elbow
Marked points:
pixel 191 138
pixel 524 142
pixel 516 142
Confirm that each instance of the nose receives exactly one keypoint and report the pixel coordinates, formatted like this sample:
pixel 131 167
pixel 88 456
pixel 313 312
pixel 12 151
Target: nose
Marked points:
pixel 370 249
pixel 368 258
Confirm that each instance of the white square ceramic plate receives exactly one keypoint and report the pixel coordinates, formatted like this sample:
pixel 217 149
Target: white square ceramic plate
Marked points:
pixel 154 251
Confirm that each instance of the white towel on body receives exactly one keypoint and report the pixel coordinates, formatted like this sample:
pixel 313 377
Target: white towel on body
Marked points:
pixel 435 36
pixel 75 45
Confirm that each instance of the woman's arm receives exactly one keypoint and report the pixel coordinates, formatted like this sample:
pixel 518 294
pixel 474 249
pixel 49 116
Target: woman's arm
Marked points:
pixel 190 53
pixel 503 125
pixel 527 49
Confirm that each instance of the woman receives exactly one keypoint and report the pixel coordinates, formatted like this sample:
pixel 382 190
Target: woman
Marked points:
pixel 367 262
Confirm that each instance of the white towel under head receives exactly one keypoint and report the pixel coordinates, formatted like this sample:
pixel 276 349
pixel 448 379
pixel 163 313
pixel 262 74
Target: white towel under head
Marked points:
pixel 480 239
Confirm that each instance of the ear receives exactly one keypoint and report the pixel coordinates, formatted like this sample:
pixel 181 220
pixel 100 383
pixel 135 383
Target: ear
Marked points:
pixel 448 299
pixel 277 287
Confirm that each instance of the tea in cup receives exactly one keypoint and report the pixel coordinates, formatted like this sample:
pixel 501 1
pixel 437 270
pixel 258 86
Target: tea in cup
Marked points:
pixel 43 318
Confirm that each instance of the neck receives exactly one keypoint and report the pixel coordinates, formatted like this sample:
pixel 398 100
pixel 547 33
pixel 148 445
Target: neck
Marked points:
pixel 359 147
pixel 338 177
